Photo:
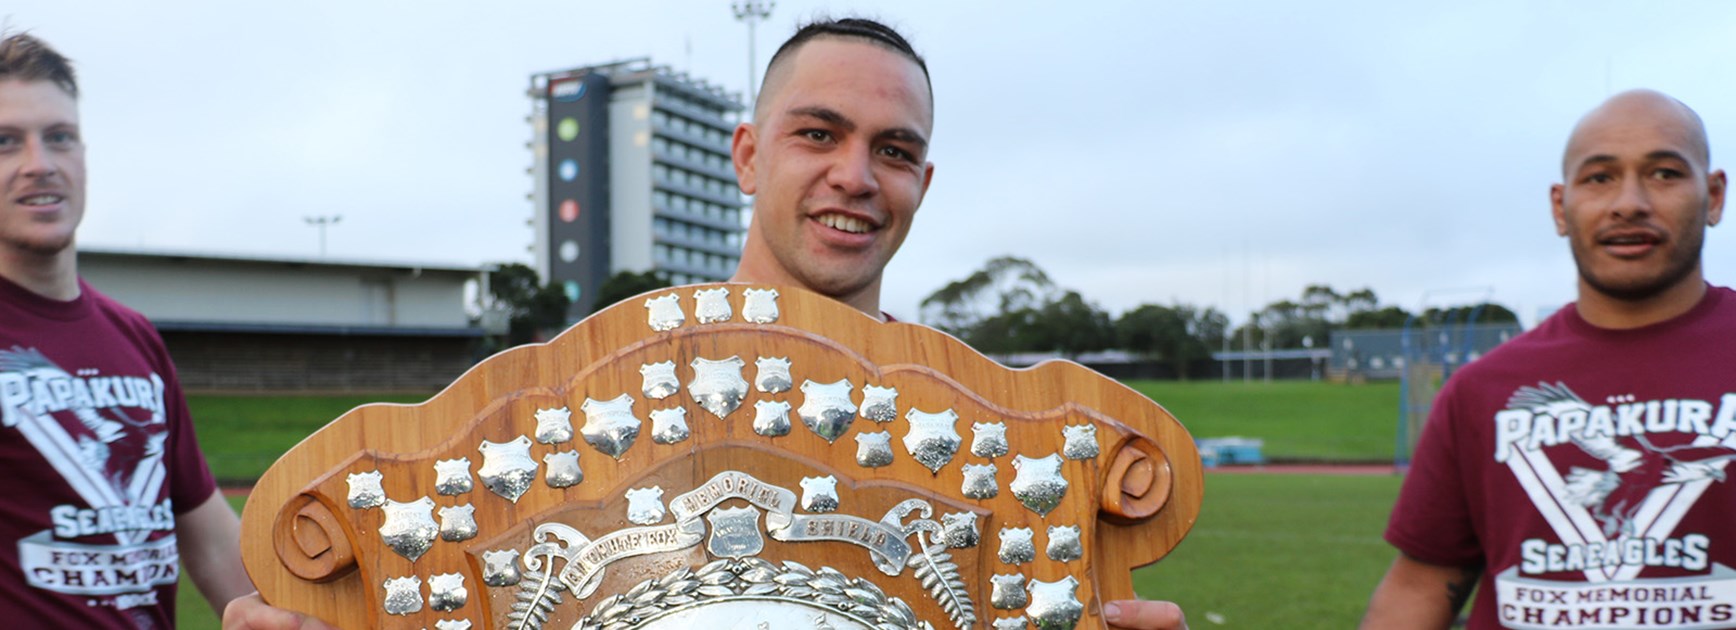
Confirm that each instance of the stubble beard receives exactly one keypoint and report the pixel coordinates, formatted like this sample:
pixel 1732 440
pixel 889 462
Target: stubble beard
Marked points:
pixel 1681 262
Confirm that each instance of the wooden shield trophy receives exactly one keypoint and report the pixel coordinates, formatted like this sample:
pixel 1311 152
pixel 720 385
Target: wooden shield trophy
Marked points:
pixel 750 456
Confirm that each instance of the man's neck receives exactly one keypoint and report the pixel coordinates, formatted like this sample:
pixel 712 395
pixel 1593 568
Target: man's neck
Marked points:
pixel 53 276
pixel 867 300
pixel 1608 312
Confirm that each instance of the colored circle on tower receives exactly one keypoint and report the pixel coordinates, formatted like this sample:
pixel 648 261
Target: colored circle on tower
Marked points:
pixel 569 251
pixel 569 170
pixel 567 129
pixel 569 210
pixel 572 287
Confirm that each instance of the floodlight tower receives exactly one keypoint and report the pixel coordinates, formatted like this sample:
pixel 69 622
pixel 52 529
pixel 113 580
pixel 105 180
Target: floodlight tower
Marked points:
pixel 751 12
pixel 321 222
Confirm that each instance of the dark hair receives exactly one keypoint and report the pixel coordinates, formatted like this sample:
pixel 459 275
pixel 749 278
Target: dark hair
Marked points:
pixel 859 28
pixel 26 58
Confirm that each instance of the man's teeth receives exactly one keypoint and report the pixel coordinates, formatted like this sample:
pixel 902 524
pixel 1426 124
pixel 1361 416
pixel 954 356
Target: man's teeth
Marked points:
pixel 848 224
pixel 41 200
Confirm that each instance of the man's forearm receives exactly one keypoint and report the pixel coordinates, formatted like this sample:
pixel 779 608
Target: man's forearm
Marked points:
pixel 1415 594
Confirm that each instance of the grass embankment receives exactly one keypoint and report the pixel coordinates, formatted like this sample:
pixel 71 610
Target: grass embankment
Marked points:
pixel 1299 420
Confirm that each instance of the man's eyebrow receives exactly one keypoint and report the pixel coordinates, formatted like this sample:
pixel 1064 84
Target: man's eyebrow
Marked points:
pixel 1667 154
pixel 825 114
pixel 1601 158
pixel 904 134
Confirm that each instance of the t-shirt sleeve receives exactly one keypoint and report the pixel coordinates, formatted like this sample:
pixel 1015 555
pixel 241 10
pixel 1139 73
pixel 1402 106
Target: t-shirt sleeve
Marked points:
pixel 1432 520
pixel 190 481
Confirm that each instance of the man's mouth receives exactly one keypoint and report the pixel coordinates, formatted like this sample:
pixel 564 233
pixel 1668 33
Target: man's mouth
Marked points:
pixel 43 199
pixel 1629 242
pixel 845 223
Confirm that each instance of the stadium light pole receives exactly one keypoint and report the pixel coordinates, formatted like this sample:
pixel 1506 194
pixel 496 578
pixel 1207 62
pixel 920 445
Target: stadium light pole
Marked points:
pixel 752 12
pixel 321 222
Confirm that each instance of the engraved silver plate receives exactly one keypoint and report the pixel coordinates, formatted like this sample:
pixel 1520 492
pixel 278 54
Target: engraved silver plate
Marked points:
pixel 735 532
pixel 659 380
pixel 1008 591
pixel 1011 623
pixel 409 528
pixel 773 375
pixel 979 481
pixel 500 567
pixel 563 469
pixel 446 592
pixel 645 505
pixel 751 593
pixel 1064 543
pixel 932 440
pixel 403 595
pixel 664 312
pixel 874 450
pixel 988 439
pixel 458 523
pixel 452 476
pixel 771 418
pixel 761 305
pixel 1016 545
pixel 610 426
pixel 1081 441
pixel 669 426
pixel 1054 605
pixel 554 426
pixel 820 494
pixel 365 490
pixel 879 404
pixel 959 530
pixel 826 408
pixel 507 468
pixel 718 385
pixel 456 624
pixel 712 305
pixel 1038 483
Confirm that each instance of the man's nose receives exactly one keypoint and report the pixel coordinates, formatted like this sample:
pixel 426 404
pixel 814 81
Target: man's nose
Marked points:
pixel 853 172
pixel 1633 201
pixel 38 160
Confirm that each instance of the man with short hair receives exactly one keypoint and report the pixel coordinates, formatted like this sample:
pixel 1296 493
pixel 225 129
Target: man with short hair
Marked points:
pixel 836 158
pixel 1575 476
pixel 106 490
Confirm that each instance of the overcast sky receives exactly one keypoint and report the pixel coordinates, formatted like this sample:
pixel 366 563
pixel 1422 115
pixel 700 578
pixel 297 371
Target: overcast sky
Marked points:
pixel 1216 152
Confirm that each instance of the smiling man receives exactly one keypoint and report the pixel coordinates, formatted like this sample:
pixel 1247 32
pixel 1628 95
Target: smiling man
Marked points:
pixel 107 494
pixel 1575 476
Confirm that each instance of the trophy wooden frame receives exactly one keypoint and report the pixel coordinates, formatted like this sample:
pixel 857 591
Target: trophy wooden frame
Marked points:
pixel 730 451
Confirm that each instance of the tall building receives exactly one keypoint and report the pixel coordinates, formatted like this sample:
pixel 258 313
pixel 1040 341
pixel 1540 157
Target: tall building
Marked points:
pixel 632 173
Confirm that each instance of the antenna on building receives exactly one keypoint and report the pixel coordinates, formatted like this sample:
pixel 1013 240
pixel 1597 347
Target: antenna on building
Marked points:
pixel 752 12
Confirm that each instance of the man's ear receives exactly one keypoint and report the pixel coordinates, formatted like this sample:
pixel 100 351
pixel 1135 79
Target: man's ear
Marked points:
pixel 741 153
pixel 927 178
pixel 1715 187
pixel 1556 192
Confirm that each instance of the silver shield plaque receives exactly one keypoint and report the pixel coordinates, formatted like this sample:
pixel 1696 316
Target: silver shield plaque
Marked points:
pixel 1016 545
pixel 979 481
pixel 664 312
pixel 1011 623
pixel 879 404
pixel 669 426
pixel 645 505
pixel 711 306
pixel 1007 591
pixel 932 440
pixel 959 530
pixel 1064 543
pixel 562 469
pixel 610 426
pixel 1038 483
pixel 659 380
pixel 874 450
pixel 500 567
pixel 771 418
pixel 452 624
pixel 761 305
pixel 718 385
pixel 409 528
pixel 772 375
pixel 457 523
pixel 446 592
pixel 452 476
pixel 365 490
pixel 1081 441
pixel 826 408
pixel 1055 605
pixel 507 468
pixel 735 532
pixel 554 426
pixel 820 494
pixel 988 439
pixel 403 595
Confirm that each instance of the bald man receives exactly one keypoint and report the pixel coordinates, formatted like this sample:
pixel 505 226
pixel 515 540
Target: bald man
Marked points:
pixel 1575 475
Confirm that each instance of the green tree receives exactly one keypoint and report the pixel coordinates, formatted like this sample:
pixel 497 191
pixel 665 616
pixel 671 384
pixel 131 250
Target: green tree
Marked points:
pixel 1004 286
pixel 627 284
pixel 1178 334
pixel 531 307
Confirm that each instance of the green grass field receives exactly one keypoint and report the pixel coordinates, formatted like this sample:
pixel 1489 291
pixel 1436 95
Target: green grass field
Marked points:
pixel 1299 420
pixel 1269 551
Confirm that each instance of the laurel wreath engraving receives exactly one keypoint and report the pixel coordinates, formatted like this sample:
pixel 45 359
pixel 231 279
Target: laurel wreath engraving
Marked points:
pixel 752 577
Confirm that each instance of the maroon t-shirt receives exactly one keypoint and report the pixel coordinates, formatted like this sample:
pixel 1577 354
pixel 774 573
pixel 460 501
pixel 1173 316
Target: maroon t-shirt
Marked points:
pixel 1585 469
pixel 96 457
